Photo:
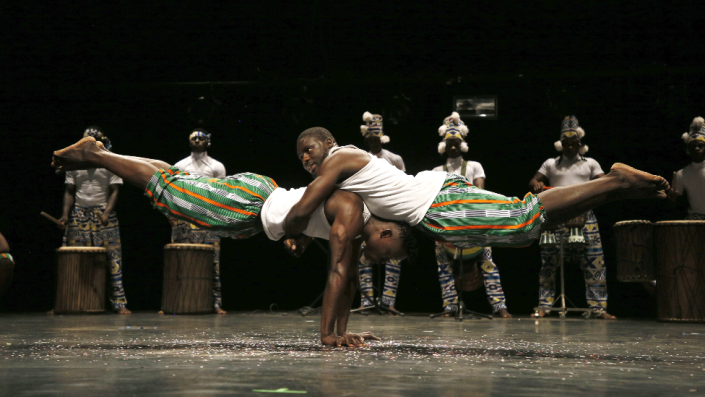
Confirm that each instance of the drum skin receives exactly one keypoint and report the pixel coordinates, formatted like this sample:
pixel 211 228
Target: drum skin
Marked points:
pixel 680 270
pixel 80 280
pixel 188 279
pixel 466 253
pixel 635 251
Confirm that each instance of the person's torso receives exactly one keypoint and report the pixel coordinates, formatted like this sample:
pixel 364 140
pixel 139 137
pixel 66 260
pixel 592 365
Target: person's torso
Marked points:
pixel 93 186
pixel 392 194
pixel 469 169
pixel 203 165
pixel 277 206
pixel 570 171
pixel 692 180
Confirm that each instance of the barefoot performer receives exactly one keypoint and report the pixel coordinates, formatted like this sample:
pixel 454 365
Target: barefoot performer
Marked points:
pixel 89 217
pixel 446 206
pixel 453 145
pixel 570 168
pixel 374 135
pixel 242 205
pixel 200 163
pixel 691 179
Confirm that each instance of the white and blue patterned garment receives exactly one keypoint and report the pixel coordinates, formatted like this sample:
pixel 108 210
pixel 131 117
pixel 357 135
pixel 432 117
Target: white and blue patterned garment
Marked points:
pixel 392 273
pixel 592 263
pixel 490 277
pixel 85 230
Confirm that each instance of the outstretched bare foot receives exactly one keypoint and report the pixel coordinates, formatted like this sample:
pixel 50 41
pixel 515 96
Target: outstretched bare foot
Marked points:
pixel 502 313
pixel 218 310
pixel 75 156
pixel 639 184
pixel 123 310
pixel 605 316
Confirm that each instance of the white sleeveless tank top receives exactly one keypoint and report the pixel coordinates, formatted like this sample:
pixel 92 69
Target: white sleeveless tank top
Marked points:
pixel 277 206
pixel 392 194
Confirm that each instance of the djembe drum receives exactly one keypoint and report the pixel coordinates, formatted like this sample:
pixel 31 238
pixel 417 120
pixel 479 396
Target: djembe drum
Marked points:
pixel 575 230
pixel 188 279
pixel 680 270
pixel 635 251
pixel 80 280
pixel 471 277
pixel 573 227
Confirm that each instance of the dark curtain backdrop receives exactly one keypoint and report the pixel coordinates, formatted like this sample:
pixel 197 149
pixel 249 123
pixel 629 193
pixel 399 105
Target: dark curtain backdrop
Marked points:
pixel 631 118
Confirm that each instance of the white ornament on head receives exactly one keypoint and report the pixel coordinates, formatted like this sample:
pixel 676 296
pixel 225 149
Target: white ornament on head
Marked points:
pixel 456 118
pixel 464 130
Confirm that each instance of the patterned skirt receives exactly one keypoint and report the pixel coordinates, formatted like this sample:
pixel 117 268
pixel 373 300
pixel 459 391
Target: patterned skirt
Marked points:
pixel 467 216
pixel 227 207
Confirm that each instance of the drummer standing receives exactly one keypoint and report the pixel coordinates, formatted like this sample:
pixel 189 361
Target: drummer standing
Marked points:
pixel 374 136
pixel 691 179
pixel 571 168
pixel 453 146
pixel 200 163
pixel 89 218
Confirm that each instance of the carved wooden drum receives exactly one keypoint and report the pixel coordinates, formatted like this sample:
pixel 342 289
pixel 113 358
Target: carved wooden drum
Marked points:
pixel 680 270
pixel 188 279
pixel 80 280
pixel 635 251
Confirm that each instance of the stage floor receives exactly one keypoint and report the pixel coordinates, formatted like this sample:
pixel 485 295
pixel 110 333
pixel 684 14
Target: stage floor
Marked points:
pixel 146 354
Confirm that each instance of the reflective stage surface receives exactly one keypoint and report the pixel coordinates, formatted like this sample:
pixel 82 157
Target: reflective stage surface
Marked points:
pixel 146 354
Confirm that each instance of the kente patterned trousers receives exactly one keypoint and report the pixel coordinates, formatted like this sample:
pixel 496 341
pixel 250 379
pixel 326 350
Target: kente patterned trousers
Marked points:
pixel 392 272
pixel 490 277
pixel 592 263
pixel 186 233
pixel 85 230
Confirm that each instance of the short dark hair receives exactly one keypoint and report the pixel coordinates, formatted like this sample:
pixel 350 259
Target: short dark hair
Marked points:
pixel 319 133
pixel 406 233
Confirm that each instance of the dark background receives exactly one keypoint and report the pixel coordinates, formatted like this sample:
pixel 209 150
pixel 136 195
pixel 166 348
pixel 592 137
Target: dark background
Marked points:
pixel 630 71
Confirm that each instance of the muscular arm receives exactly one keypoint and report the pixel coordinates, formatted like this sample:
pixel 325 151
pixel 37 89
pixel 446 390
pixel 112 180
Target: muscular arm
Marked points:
pixel 113 190
pixel 479 182
pixel 342 165
pixel 69 194
pixel 538 182
pixel 346 209
pixel 112 198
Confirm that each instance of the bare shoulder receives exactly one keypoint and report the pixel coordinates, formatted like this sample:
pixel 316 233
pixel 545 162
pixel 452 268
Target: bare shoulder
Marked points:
pixel 345 161
pixel 342 202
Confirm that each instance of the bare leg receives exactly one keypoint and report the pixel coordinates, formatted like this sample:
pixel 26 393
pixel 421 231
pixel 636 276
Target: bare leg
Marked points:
pixel 86 154
pixel 622 182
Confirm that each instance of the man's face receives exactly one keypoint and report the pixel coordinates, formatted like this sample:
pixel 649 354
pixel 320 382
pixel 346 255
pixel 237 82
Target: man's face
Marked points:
pixel 385 245
pixel 697 151
pixel 373 143
pixel 312 152
pixel 453 147
pixel 198 144
pixel 571 146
